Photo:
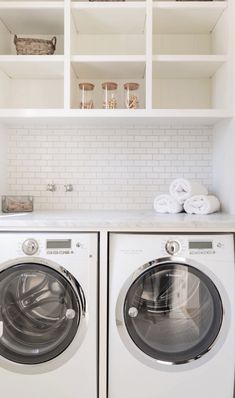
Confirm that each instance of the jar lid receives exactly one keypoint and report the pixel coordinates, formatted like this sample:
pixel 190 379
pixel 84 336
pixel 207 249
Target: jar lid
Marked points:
pixel 109 86
pixel 86 86
pixel 131 86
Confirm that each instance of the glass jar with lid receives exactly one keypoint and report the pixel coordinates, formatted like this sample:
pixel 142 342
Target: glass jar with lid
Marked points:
pixel 86 95
pixel 110 95
pixel 131 95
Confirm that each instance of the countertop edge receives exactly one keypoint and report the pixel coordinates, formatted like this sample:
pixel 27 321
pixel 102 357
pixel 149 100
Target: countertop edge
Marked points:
pixel 117 221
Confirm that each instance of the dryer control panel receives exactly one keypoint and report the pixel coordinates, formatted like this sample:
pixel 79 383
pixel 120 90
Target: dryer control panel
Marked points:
pixel 196 245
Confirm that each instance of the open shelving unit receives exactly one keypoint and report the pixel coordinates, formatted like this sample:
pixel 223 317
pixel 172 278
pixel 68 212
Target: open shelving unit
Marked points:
pixel 178 51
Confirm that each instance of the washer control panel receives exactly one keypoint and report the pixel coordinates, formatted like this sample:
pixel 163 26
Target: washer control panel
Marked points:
pixel 59 246
pixel 30 247
pixel 51 247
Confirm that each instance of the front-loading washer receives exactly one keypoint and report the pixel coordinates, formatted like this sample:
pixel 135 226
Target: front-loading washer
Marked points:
pixel 171 316
pixel 48 314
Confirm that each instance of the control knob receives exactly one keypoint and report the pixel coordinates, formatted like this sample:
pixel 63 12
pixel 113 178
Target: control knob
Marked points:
pixel 30 247
pixel 172 247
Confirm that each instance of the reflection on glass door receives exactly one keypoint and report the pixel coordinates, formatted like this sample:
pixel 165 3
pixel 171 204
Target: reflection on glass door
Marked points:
pixel 39 313
pixel 173 313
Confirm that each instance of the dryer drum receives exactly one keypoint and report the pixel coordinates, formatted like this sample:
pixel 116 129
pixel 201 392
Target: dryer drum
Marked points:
pixel 178 313
pixel 40 313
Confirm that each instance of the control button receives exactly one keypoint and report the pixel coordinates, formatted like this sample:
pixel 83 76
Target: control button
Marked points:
pixel 172 247
pixel 30 247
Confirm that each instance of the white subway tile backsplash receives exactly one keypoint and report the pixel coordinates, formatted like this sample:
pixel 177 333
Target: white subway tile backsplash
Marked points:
pixel 108 168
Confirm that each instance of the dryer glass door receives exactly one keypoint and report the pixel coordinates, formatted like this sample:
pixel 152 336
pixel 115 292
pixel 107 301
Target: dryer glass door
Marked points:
pixel 40 313
pixel 173 313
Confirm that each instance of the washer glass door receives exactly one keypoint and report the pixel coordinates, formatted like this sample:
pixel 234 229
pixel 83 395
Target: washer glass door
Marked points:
pixel 40 312
pixel 173 313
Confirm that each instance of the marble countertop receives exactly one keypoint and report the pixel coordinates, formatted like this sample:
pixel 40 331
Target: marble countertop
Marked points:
pixel 117 221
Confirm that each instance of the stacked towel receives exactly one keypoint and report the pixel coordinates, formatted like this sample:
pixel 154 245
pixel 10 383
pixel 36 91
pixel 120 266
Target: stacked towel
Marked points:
pixel 167 204
pixel 186 195
pixel 182 189
pixel 202 204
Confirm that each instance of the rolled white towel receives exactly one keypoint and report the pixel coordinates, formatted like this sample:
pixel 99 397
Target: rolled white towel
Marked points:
pixel 202 204
pixel 182 189
pixel 167 204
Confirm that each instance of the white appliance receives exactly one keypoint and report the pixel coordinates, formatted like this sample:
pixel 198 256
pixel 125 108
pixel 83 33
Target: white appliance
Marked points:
pixel 171 316
pixel 48 314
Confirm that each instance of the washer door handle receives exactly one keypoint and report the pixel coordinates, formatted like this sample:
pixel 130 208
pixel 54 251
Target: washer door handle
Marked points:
pixel 1 328
pixel 133 312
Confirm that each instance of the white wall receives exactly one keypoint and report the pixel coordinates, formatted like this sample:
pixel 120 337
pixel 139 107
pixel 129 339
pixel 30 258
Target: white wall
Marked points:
pixel 224 164
pixel 110 168
pixel 3 160
pixel 224 137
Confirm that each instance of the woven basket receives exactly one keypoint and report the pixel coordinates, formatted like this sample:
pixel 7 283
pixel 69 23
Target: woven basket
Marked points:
pixel 29 46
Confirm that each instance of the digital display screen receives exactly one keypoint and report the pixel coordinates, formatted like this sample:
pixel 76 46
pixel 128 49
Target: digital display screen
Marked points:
pixel 200 245
pixel 59 244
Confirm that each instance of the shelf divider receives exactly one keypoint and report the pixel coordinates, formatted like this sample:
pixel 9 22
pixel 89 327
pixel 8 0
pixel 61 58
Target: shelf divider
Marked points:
pixel 149 55
pixel 67 55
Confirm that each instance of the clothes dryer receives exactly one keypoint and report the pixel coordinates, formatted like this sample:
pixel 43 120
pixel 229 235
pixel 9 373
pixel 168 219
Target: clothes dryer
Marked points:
pixel 48 314
pixel 171 316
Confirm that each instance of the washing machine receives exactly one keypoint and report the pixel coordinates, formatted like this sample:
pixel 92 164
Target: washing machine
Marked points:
pixel 171 316
pixel 48 314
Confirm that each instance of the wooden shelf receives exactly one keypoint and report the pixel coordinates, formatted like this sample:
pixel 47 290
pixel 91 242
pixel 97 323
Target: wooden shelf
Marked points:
pixel 186 66
pixel 186 17
pixel 109 18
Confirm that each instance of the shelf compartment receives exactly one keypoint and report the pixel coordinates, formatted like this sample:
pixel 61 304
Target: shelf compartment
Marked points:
pixel 31 82
pixel 186 17
pixel 101 28
pixel 202 88
pixel 182 94
pixel 108 67
pixel 32 66
pixel 191 44
pixel 33 18
pixel 37 20
pixel 109 17
pixel 100 69
pixel 186 66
